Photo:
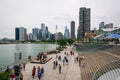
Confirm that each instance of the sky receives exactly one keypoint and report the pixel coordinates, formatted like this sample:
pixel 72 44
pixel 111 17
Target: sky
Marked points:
pixel 31 13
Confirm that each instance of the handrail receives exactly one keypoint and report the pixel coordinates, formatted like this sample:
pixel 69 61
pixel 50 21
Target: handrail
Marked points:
pixel 106 68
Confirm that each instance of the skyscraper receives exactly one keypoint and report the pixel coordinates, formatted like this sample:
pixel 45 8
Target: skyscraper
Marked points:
pixel 35 32
pixel 16 33
pixel 47 32
pixel 66 34
pixel 72 30
pixel 59 36
pixel 84 21
pixel 22 33
pixel 101 25
pixel 78 32
pixel 43 28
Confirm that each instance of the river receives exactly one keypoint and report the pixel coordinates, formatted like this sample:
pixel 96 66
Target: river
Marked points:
pixel 7 51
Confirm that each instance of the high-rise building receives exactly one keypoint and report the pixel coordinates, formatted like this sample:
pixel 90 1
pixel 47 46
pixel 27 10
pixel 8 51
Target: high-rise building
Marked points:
pixel 16 33
pixel 84 21
pixel 105 26
pixel 66 33
pixel 30 36
pixel 59 36
pixel 22 34
pixel 110 25
pixel 40 34
pixel 73 30
pixel 43 28
pixel 78 32
pixel 35 32
pixel 47 32
pixel 101 25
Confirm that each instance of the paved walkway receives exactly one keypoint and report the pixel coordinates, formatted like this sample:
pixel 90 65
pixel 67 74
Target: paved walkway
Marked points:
pixel 68 72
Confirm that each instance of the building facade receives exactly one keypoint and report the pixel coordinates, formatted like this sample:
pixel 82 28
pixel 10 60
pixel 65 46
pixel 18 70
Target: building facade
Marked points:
pixel 66 33
pixel 101 25
pixel 84 21
pixel 59 36
pixel 22 34
pixel 17 34
pixel 43 28
pixel 35 32
pixel 73 30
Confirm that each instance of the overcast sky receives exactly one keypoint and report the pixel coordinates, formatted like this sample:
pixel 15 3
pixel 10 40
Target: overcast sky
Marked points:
pixel 31 13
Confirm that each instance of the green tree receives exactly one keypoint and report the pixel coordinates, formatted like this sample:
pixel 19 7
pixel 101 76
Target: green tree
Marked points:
pixel 70 41
pixel 62 42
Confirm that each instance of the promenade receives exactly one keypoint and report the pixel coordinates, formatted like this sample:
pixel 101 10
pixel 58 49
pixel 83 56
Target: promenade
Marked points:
pixel 68 72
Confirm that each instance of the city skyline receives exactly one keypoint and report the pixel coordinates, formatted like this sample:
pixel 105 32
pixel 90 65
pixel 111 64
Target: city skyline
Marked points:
pixel 30 14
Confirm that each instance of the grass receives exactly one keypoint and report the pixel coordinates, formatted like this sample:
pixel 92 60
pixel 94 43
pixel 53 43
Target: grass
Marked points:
pixel 5 75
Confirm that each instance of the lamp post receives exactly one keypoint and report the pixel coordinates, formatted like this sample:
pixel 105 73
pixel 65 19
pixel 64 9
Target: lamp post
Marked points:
pixel 17 57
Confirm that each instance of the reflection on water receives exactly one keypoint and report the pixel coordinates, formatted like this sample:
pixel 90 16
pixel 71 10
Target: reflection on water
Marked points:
pixel 7 51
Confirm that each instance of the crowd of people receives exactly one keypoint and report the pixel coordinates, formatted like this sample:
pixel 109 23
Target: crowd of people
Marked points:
pixel 39 71
pixel 20 68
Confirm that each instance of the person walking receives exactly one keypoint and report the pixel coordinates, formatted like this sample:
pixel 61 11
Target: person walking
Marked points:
pixel 59 69
pixel 33 72
pixel 21 76
pixel 63 62
pixel 24 66
pixel 38 69
pixel 67 61
pixel 39 75
pixel 54 64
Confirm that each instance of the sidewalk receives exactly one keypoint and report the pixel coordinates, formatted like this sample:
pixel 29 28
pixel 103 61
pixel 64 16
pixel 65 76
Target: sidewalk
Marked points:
pixel 68 72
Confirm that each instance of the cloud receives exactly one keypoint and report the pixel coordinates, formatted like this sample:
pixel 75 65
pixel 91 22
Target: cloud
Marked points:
pixel 31 13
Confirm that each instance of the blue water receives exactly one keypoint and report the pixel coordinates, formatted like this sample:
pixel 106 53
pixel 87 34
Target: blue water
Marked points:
pixel 7 51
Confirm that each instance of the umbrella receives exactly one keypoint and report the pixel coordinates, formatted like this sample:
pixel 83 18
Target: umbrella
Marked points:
pixel 115 36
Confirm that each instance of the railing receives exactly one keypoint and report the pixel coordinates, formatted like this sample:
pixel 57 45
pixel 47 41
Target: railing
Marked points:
pixel 106 68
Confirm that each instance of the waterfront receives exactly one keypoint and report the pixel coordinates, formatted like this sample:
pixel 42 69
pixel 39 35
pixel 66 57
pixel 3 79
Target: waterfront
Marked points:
pixel 7 51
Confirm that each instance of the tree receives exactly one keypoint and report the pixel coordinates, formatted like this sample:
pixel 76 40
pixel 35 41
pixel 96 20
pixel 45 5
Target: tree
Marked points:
pixel 62 42
pixel 70 41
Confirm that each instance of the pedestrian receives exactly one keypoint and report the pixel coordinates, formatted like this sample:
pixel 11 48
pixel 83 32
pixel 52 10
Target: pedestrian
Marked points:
pixel 74 59
pixel 29 58
pixel 56 56
pixel 54 64
pixel 65 58
pixel 21 76
pixel 63 62
pixel 39 75
pixel 12 75
pixel 38 69
pixel 77 58
pixel 59 69
pixel 73 53
pixel 33 72
pixel 24 66
pixel 42 70
pixel 79 62
pixel 65 53
pixel 59 58
pixel 67 61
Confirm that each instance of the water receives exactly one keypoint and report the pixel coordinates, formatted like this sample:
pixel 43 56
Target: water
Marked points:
pixel 7 51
